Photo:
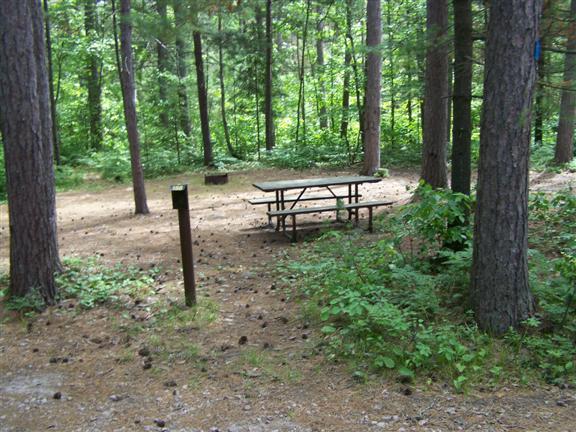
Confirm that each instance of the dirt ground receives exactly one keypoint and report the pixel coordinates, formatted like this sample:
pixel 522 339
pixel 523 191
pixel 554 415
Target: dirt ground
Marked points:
pixel 247 363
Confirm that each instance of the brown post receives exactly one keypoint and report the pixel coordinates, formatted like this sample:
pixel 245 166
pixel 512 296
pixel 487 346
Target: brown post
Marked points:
pixel 370 227
pixel 180 203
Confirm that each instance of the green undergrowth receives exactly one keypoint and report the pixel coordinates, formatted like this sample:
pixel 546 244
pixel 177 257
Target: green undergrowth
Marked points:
pixel 90 283
pixel 399 304
pixel 542 158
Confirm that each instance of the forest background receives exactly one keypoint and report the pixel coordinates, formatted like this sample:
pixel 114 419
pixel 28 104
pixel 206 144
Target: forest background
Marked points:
pixel 318 84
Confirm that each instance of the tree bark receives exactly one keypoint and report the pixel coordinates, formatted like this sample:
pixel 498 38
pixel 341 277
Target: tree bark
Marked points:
pixel 565 137
pixel 436 95
pixel 53 112
pixel 500 292
pixel 182 70
pixel 162 63
pixel 26 125
pixel 202 99
pixel 462 97
pixel 93 77
pixel 373 77
pixel 268 108
pixel 129 98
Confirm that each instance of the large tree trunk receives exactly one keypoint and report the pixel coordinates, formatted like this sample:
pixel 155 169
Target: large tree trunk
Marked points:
pixel 436 95
pixel 202 99
pixel 500 293
pixel 565 137
pixel 93 78
pixel 163 64
pixel 26 125
pixel 53 112
pixel 373 77
pixel 129 98
pixel 181 50
pixel 268 108
pixel 462 96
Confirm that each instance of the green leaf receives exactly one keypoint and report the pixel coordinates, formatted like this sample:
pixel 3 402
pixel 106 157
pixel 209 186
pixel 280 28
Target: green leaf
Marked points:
pixel 328 329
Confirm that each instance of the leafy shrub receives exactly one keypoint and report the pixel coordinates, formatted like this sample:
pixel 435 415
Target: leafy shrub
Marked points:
pixel 67 177
pixel 384 310
pixel 439 217
pixel 112 165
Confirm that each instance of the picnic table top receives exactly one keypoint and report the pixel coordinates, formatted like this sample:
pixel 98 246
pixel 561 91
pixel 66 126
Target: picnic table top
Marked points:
pixel 279 185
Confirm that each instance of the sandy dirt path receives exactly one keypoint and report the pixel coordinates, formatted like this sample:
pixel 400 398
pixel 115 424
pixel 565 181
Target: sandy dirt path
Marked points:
pixel 254 367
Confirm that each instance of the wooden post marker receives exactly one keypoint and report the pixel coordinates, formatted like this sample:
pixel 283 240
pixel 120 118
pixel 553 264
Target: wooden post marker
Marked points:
pixel 180 203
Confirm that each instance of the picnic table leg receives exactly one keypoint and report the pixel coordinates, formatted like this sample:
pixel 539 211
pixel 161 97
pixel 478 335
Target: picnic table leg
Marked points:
pixel 269 217
pixel 283 207
pixel 349 201
pixel 278 208
pixel 294 238
pixel 370 228
pixel 356 201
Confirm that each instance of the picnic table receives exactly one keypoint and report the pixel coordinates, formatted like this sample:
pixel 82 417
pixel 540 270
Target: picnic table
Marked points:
pixel 280 212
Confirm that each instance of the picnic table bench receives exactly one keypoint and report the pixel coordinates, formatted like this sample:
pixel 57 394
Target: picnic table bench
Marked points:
pixel 352 206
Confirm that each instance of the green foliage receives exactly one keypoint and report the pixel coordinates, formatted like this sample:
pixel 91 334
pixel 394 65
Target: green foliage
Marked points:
pixel 439 217
pixel 383 309
pixel 554 219
pixel 67 177
pixel 323 149
pixel 92 283
pixel 26 306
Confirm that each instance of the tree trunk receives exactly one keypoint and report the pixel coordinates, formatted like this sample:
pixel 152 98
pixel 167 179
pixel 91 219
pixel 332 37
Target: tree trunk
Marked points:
pixel 392 71
pixel 462 96
pixel 268 109
pixel 301 89
pixel 202 99
pixel 500 293
pixel 360 102
pixel 539 102
pixel 129 98
pixel 346 84
pixel 162 56
pixel 565 137
pixel 545 28
pixel 26 125
pixel 53 112
pixel 435 95
pixel 93 77
pixel 182 70
pixel 222 93
pixel 373 77
pixel 323 117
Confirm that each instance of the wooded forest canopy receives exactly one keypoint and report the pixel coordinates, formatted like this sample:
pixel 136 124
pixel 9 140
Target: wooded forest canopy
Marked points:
pixel 147 88
pixel 317 91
